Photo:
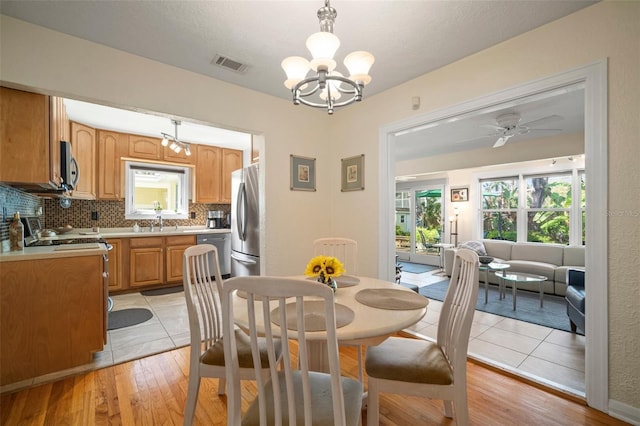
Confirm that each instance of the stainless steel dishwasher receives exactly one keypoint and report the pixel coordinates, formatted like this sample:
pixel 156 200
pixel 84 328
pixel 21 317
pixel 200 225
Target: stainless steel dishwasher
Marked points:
pixel 222 242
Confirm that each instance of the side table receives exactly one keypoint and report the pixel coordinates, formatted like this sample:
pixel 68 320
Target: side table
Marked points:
pixel 442 247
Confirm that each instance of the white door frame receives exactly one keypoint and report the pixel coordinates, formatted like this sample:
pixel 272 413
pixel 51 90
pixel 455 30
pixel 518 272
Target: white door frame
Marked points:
pixel 594 77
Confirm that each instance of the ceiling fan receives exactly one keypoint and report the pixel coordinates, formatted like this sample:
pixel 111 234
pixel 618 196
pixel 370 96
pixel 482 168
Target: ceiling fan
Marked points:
pixel 507 126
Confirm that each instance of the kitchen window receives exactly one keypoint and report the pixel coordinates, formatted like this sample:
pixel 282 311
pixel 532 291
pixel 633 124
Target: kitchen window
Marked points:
pixel 156 189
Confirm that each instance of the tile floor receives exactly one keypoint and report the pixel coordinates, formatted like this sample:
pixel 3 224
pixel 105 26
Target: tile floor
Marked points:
pixel 555 358
pixel 552 357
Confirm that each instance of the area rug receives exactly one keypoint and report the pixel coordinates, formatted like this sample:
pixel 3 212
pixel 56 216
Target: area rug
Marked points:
pixel 161 291
pixel 553 314
pixel 416 268
pixel 128 317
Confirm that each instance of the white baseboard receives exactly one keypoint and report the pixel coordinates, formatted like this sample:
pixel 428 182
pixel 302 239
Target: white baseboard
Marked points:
pixel 624 412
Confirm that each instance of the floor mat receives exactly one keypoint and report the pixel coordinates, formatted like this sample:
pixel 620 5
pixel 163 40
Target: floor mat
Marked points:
pixel 416 268
pixel 128 317
pixel 161 291
pixel 553 314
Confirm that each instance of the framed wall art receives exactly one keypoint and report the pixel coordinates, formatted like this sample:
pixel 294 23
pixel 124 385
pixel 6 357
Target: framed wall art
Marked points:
pixel 353 173
pixel 459 194
pixel 303 173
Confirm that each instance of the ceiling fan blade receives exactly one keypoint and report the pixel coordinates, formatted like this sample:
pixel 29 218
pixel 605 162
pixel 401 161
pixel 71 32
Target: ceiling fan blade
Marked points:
pixel 493 126
pixel 545 130
pixel 543 120
pixel 501 141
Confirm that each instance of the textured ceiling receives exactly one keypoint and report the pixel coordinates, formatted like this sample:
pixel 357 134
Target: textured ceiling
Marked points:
pixel 407 38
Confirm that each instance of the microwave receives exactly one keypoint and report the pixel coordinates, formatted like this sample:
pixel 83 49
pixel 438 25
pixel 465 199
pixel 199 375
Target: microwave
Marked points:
pixel 69 170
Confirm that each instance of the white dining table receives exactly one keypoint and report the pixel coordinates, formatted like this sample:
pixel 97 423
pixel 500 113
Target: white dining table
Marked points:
pixel 370 325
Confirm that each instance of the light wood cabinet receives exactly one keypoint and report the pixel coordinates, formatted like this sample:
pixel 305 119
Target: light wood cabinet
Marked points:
pixel 26 154
pixel 115 265
pixel 213 173
pixel 175 247
pixel 231 160
pixel 208 170
pixel 60 130
pixel 52 316
pixel 145 147
pixel 156 260
pixel 83 144
pixel 146 261
pixel 112 146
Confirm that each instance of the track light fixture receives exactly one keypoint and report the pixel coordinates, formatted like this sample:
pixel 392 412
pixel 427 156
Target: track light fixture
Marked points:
pixel 323 89
pixel 173 142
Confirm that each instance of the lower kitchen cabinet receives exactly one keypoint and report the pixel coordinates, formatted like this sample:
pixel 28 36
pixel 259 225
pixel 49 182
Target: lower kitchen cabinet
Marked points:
pixel 146 261
pixel 52 315
pixel 115 265
pixel 153 261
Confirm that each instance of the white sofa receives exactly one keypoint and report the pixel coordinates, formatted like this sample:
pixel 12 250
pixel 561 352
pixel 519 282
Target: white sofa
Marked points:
pixel 550 260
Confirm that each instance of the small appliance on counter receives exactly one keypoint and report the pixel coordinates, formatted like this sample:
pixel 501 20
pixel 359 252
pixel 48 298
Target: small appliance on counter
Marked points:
pixel 215 219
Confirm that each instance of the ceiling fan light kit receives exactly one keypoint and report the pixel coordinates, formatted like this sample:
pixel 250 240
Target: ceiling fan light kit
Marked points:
pixel 173 142
pixel 323 89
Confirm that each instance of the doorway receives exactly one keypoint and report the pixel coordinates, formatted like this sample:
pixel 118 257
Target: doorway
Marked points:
pixel 594 77
pixel 419 216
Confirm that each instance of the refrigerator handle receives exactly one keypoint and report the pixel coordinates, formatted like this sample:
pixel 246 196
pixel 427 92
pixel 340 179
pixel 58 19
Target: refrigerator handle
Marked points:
pixel 240 212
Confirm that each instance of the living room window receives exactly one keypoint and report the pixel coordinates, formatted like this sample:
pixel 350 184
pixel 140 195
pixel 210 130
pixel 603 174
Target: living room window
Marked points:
pixel 500 208
pixel 535 208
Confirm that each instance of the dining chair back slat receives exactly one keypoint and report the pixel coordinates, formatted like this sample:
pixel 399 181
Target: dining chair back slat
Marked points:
pixel 275 308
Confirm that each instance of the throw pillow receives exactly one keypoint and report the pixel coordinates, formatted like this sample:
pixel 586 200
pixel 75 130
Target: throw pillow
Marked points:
pixel 477 246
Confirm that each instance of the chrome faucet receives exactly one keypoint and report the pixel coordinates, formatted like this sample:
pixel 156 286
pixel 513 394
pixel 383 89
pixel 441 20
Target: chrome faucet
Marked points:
pixel 159 223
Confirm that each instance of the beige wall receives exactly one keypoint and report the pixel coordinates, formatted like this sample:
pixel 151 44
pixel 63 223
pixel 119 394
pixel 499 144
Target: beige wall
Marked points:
pixel 608 30
pixel 38 58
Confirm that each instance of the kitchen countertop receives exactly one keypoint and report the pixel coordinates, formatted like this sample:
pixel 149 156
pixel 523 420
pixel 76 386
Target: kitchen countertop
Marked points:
pixel 92 249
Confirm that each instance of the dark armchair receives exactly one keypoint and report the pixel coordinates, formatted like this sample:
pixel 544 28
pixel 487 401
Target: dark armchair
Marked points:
pixel 575 298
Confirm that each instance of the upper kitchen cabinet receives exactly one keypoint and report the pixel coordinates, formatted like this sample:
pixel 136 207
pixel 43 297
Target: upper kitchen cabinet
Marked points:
pixel 145 147
pixel 84 149
pixel 26 155
pixel 231 161
pixel 112 146
pixel 213 173
pixel 60 130
pixel 208 170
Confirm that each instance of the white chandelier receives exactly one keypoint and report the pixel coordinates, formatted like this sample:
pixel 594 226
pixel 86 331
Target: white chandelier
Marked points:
pixel 176 144
pixel 324 89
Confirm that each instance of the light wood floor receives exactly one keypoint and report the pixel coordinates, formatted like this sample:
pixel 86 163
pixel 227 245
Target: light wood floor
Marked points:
pixel 152 391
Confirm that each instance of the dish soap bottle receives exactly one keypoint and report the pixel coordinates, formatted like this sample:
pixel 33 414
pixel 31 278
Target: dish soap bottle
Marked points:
pixel 136 227
pixel 16 233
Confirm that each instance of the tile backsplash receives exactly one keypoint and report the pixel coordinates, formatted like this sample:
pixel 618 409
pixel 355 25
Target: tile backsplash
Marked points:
pixel 78 215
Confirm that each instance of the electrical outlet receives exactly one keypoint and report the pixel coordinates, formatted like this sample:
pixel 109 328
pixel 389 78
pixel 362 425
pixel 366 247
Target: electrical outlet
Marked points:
pixel 94 216
pixel 193 215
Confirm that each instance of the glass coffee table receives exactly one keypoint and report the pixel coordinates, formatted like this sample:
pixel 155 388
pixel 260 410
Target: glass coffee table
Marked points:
pixel 519 277
pixel 491 267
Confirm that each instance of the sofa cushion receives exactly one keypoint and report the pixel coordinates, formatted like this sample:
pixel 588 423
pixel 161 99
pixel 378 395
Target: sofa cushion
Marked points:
pixel 573 256
pixel 500 249
pixel 561 273
pixel 535 252
pixel 477 246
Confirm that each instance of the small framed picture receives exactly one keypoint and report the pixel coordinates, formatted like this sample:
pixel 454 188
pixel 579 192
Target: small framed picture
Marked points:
pixel 353 173
pixel 303 173
pixel 459 194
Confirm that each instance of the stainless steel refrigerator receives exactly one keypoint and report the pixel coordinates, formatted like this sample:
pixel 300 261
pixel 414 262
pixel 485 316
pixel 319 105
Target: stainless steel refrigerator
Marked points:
pixel 245 222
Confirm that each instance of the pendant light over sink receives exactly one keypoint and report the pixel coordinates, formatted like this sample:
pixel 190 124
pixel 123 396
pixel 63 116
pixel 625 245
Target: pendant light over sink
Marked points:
pixel 327 86
pixel 176 144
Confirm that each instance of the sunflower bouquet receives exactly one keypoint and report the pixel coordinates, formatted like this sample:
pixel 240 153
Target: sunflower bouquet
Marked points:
pixel 326 268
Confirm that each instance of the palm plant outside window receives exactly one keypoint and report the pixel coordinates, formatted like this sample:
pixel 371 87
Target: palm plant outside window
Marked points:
pixel 534 208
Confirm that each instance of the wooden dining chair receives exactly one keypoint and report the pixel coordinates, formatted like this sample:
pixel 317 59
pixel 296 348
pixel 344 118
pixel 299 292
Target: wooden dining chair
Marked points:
pixel 436 370
pixel 292 395
pixel 203 283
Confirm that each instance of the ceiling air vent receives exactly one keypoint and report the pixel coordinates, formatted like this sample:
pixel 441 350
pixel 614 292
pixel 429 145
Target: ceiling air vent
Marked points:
pixel 229 63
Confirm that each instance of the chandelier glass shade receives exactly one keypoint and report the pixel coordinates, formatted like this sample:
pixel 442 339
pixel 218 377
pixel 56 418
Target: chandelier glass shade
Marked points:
pixel 173 142
pixel 326 85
